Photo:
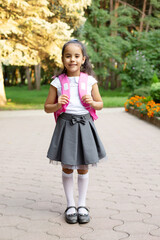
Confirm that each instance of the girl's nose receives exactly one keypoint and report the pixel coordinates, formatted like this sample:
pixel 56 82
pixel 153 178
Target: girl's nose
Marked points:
pixel 72 58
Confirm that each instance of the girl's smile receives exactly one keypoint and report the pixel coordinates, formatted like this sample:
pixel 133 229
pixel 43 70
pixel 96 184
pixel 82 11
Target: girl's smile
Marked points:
pixel 73 59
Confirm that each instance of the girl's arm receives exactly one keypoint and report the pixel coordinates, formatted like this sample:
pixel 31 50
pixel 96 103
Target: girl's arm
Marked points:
pixel 95 99
pixel 50 106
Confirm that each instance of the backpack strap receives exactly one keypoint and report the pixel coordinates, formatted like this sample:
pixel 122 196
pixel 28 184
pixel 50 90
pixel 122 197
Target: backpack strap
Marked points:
pixel 82 87
pixel 65 89
pixel 83 83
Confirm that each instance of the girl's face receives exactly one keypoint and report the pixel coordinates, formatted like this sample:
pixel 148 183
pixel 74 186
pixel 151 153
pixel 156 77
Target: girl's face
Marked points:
pixel 73 59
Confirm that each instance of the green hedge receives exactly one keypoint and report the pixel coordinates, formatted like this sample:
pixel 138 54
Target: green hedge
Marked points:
pixel 155 92
pixel 142 92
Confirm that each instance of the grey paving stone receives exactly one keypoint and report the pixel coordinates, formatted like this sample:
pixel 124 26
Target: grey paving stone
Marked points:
pixel 123 195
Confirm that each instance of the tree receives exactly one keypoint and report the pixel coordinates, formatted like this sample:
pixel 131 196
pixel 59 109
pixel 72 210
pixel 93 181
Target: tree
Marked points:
pixel 33 32
pixel 2 91
pixel 102 32
pixel 143 15
pixel 111 34
pixel 151 19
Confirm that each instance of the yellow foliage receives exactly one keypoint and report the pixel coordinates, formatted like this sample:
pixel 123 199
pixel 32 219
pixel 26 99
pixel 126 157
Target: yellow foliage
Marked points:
pixel 14 3
pixel 9 27
pixel 17 54
pixel 73 5
pixel 31 30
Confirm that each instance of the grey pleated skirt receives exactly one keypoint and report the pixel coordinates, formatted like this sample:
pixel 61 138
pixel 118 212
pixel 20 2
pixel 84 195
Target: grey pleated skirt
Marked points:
pixel 75 142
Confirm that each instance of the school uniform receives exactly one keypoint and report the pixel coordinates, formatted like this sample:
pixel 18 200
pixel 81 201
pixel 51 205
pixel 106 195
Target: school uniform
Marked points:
pixel 75 142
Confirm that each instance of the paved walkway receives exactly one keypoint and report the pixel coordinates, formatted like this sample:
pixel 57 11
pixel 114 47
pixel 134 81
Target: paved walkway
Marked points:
pixel 123 195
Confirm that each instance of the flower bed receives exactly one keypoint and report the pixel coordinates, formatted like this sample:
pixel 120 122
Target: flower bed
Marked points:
pixel 144 108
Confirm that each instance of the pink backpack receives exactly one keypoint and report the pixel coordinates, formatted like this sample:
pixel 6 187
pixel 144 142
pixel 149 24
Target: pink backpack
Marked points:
pixel 82 88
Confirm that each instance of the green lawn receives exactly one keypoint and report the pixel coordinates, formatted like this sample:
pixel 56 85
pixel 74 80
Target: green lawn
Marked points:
pixel 20 98
pixel 114 98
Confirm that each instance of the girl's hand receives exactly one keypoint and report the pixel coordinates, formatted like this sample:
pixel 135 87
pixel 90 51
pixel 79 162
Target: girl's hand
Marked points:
pixel 50 106
pixel 95 100
pixel 88 99
pixel 63 99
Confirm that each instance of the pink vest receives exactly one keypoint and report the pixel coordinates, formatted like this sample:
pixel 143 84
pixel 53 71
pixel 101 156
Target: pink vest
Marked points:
pixel 82 88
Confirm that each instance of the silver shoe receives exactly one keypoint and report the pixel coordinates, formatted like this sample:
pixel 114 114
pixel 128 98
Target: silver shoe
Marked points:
pixel 71 218
pixel 83 218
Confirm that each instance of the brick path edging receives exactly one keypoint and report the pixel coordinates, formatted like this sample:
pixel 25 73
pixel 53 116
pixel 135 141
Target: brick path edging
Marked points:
pixel 152 120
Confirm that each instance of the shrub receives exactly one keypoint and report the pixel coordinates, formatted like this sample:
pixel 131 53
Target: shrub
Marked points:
pixel 155 92
pixel 155 78
pixel 142 91
pixel 137 70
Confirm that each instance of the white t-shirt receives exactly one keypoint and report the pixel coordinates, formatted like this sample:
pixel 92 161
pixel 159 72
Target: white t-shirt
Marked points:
pixel 75 106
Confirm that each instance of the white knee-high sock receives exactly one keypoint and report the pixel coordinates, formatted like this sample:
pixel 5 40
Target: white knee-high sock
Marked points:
pixel 82 189
pixel 67 180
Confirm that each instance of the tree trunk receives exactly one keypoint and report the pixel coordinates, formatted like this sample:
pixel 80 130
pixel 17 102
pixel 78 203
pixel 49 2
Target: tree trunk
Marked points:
pixel 5 76
pixel 103 4
pixel 114 34
pixel 111 5
pixel 3 99
pixel 118 82
pixel 13 75
pixel 149 13
pixel 38 76
pixel 116 7
pixel 143 15
pixel 107 82
pixel 113 80
pixel 27 72
pixel 22 74
pixel 111 9
pixel 115 17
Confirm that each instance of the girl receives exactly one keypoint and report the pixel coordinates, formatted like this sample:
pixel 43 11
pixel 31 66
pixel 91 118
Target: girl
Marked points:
pixel 73 97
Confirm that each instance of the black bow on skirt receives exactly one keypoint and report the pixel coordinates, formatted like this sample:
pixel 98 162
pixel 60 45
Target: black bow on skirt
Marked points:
pixel 75 120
